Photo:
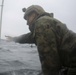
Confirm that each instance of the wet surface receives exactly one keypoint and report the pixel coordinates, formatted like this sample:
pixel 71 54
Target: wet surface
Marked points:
pixel 18 59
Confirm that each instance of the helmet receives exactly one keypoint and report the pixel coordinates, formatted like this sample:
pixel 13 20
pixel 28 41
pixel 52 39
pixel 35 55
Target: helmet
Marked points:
pixel 38 9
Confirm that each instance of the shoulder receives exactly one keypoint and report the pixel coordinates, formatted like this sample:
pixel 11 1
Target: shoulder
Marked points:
pixel 43 21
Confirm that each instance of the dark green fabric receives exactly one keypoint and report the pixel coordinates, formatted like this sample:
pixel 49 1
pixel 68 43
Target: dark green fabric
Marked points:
pixel 55 42
pixel 25 38
pixel 71 71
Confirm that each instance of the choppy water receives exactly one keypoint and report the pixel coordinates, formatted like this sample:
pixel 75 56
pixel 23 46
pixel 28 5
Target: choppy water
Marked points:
pixel 18 59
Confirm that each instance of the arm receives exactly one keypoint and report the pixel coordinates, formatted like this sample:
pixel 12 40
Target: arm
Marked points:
pixel 25 38
pixel 47 48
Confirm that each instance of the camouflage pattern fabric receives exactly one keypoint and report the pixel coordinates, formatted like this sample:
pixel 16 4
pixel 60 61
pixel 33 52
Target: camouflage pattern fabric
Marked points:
pixel 25 38
pixel 56 45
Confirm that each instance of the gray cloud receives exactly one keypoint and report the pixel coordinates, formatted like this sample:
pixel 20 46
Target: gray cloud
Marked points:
pixel 14 24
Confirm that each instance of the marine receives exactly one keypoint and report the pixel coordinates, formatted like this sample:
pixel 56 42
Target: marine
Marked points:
pixel 56 44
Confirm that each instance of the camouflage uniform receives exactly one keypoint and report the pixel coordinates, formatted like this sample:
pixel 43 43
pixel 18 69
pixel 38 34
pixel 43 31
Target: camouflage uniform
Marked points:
pixel 55 42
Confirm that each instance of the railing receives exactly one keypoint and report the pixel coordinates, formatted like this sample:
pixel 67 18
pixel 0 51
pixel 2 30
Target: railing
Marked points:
pixel 1 16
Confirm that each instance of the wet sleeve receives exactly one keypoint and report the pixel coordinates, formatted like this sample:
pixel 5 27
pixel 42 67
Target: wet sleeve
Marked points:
pixel 47 48
pixel 25 38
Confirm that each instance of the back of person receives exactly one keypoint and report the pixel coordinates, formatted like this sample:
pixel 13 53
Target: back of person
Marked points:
pixel 66 43
pixel 67 49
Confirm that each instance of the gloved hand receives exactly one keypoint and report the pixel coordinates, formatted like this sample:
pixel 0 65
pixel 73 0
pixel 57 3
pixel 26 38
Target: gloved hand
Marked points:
pixel 9 38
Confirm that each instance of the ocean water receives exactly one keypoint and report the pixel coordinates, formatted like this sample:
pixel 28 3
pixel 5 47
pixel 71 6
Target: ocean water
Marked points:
pixel 19 59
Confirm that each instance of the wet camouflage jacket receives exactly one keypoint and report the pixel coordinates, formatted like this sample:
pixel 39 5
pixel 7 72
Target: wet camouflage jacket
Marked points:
pixel 55 42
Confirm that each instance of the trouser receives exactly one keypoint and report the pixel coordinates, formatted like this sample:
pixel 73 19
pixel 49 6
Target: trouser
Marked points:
pixel 71 71
pixel 68 71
